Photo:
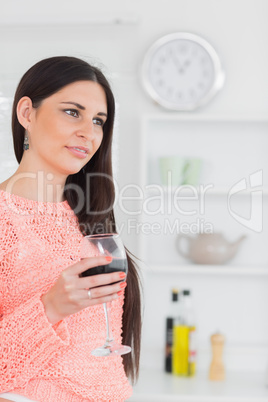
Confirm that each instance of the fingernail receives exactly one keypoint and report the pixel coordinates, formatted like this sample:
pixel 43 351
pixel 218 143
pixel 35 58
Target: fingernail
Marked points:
pixel 108 258
pixel 122 275
pixel 120 293
pixel 123 285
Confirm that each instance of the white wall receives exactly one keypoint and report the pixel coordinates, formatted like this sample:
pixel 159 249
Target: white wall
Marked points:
pixel 237 29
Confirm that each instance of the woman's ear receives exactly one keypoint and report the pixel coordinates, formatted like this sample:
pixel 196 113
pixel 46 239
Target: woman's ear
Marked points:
pixel 24 111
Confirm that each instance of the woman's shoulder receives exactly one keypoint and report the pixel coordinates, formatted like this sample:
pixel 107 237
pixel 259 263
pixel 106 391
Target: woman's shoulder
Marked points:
pixel 2 196
pixel 7 203
pixel 8 237
pixel 3 185
pixel 4 188
pixel 3 193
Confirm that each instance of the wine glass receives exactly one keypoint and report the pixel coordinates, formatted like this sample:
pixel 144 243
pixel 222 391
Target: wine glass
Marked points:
pixel 111 245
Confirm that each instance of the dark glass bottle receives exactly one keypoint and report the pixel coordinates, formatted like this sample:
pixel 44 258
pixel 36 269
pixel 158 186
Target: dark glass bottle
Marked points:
pixel 169 329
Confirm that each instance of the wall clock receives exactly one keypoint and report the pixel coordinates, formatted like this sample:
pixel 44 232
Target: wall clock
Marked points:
pixel 182 71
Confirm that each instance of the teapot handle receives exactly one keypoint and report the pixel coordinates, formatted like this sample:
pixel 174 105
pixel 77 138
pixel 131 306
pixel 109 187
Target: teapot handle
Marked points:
pixel 180 237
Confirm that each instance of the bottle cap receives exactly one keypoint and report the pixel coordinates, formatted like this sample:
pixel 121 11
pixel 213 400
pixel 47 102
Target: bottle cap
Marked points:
pixel 186 292
pixel 174 294
pixel 217 338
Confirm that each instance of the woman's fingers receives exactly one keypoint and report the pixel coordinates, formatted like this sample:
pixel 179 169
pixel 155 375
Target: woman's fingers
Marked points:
pixel 104 294
pixel 101 300
pixel 103 291
pixel 71 275
pixel 87 263
pixel 77 295
pixel 100 280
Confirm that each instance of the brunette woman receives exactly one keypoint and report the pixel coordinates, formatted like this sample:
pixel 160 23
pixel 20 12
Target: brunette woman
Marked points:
pixel 62 123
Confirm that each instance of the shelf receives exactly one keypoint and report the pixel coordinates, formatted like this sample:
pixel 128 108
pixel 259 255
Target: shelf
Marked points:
pixel 156 386
pixel 187 190
pixel 207 269
pixel 176 116
pixel 82 22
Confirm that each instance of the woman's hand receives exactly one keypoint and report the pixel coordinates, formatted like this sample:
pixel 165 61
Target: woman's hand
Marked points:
pixel 70 292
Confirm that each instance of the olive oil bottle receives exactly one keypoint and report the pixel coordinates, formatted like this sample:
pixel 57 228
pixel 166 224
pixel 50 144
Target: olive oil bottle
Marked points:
pixel 184 342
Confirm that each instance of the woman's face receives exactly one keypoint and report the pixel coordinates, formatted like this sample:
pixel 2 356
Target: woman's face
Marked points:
pixel 67 128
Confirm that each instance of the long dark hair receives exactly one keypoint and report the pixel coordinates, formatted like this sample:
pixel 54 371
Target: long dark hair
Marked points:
pixel 94 181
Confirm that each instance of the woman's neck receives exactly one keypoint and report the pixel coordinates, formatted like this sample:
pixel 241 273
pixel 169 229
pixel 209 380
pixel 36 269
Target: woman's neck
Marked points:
pixel 37 185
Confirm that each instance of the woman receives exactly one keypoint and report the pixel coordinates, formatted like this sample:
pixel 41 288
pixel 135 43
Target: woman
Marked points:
pixel 62 125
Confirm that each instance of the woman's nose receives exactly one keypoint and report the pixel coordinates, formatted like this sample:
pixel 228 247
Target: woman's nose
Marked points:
pixel 87 131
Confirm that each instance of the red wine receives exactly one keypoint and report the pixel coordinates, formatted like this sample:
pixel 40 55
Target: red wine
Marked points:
pixel 118 264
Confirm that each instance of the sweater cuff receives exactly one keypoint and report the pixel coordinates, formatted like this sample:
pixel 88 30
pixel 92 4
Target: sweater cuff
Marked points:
pixel 60 328
pixel 43 332
pixel 29 341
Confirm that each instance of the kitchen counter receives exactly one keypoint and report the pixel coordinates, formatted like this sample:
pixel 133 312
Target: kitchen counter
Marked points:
pixel 154 386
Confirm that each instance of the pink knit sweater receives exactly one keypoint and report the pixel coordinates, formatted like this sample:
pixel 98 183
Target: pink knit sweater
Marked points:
pixel 43 362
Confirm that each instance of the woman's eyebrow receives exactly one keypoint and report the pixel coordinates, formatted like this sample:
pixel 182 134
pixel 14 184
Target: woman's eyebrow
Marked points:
pixel 76 104
pixel 83 107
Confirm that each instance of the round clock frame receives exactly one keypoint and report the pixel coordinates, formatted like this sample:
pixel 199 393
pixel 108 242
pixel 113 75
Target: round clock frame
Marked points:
pixel 182 71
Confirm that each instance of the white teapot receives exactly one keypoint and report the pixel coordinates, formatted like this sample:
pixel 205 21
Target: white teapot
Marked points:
pixel 208 248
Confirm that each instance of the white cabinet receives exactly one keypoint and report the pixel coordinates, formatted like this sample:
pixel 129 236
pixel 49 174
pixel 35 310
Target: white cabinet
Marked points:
pixel 230 298
pixel 232 194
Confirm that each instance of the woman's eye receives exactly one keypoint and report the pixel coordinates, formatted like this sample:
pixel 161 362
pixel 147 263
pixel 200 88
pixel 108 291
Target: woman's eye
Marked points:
pixel 72 112
pixel 98 122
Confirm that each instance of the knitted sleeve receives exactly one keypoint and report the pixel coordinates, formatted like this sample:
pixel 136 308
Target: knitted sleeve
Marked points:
pixel 27 343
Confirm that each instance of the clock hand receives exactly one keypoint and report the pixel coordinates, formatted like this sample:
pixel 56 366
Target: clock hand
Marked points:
pixel 187 63
pixel 177 63
pixel 184 66
pixel 180 67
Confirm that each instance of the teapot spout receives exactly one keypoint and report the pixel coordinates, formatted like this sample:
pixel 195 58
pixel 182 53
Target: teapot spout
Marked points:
pixel 235 245
pixel 241 238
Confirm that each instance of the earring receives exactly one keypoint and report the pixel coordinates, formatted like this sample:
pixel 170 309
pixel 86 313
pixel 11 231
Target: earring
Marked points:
pixel 26 142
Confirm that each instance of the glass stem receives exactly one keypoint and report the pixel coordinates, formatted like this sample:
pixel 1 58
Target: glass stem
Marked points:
pixel 109 337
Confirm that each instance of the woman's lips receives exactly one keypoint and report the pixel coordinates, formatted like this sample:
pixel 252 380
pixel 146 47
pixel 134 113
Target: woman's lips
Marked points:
pixel 80 152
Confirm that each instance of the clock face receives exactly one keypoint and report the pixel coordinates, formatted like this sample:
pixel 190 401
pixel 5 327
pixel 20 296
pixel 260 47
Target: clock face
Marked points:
pixel 182 71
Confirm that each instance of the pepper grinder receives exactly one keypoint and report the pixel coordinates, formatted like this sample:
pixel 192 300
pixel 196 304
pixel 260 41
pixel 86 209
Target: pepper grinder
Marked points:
pixel 217 371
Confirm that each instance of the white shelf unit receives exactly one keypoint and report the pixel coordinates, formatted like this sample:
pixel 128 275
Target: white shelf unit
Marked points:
pixel 213 131
pixel 233 148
